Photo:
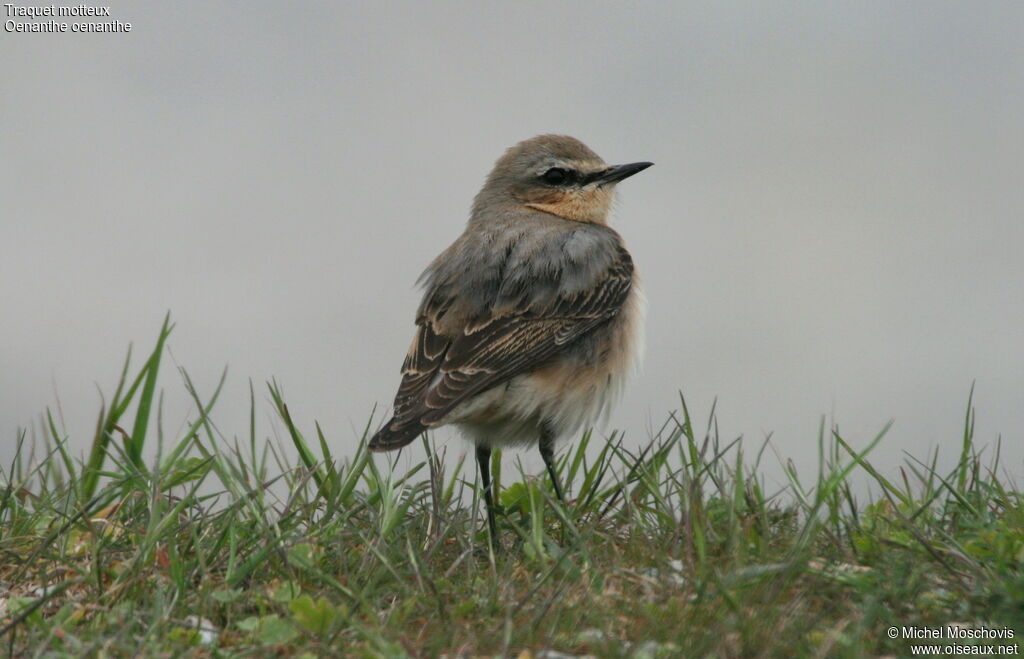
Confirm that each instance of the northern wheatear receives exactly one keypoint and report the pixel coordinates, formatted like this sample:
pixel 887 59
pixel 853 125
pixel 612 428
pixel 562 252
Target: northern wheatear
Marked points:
pixel 530 321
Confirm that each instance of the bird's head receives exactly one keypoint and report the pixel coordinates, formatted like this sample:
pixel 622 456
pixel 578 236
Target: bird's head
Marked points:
pixel 555 174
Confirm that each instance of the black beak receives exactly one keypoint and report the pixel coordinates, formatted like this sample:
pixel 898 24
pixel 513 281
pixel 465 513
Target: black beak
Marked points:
pixel 616 173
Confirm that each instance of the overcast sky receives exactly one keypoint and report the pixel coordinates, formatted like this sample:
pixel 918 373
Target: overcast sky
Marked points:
pixel 833 227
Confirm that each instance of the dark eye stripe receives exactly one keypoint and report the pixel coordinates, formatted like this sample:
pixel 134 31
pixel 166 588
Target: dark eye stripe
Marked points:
pixel 559 176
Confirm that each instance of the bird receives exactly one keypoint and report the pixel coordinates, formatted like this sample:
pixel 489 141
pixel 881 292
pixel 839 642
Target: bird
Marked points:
pixel 532 320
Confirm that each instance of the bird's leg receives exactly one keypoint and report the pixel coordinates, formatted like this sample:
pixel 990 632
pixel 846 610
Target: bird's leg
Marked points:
pixel 483 459
pixel 547 451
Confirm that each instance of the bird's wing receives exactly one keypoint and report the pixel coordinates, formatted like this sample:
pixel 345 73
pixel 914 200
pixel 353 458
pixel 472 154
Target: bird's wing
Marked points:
pixel 421 366
pixel 442 370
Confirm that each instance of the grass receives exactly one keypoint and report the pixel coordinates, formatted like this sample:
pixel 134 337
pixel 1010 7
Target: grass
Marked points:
pixel 219 547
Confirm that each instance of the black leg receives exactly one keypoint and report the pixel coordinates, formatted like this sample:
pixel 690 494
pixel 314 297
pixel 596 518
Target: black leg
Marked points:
pixel 547 451
pixel 483 459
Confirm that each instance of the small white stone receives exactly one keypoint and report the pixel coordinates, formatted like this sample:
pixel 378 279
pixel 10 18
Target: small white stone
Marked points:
pixel 208 632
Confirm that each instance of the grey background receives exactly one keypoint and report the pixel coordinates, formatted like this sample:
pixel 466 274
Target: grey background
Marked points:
pixel 833 225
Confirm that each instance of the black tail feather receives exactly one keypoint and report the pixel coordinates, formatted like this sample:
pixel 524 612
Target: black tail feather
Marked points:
pixel 389 439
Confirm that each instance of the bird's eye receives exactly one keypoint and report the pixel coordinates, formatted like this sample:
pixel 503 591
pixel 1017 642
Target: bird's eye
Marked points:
pixel 555 176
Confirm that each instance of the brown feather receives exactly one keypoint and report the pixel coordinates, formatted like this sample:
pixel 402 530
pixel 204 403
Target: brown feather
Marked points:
pixel 446 368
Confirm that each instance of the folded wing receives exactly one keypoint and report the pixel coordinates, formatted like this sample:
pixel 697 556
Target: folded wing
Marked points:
pixel 444 369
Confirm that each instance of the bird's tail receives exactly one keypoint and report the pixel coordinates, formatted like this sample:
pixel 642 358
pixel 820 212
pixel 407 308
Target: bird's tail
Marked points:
pixel 390 438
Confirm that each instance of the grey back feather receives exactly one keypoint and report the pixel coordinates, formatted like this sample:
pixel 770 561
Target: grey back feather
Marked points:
pixel 540 258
